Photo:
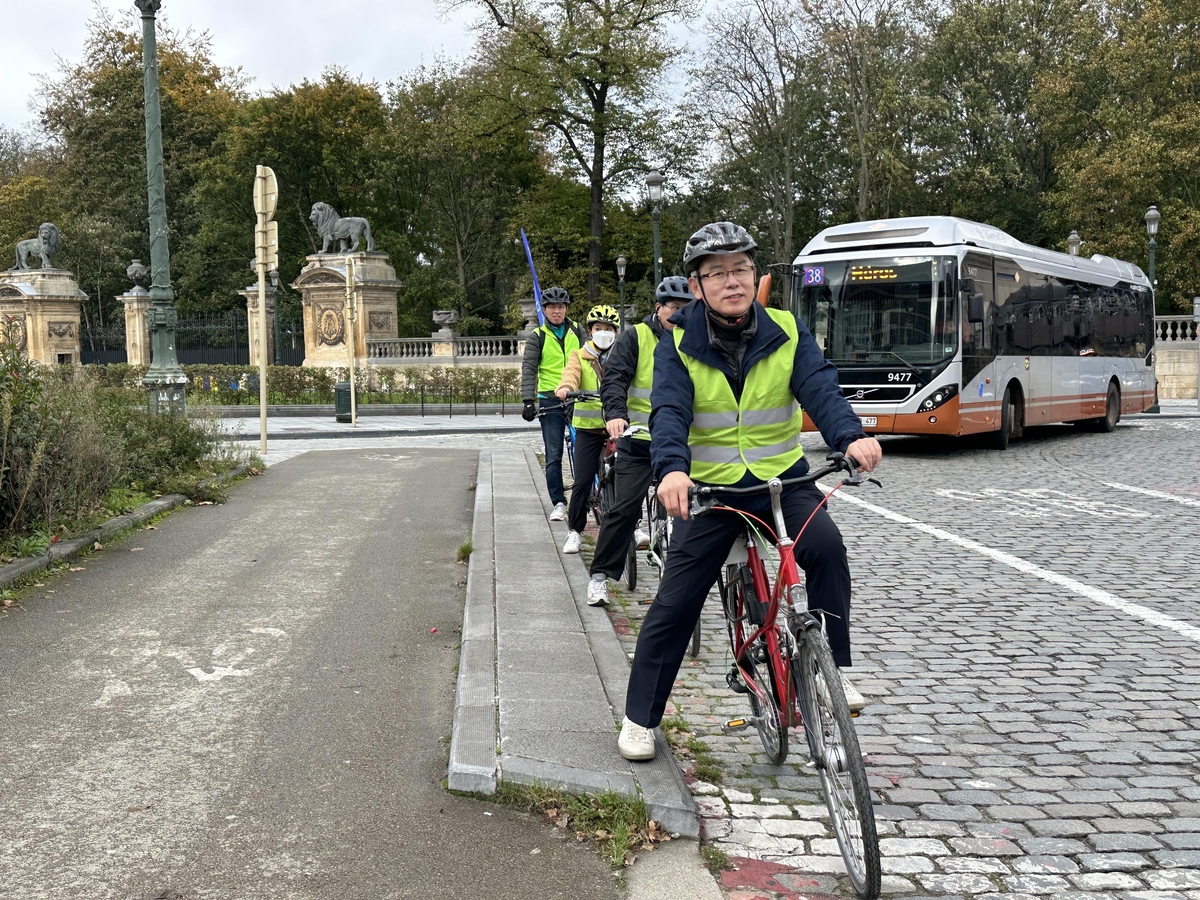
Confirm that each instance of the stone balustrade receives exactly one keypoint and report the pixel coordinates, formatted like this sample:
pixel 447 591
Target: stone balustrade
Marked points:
pixel 453 351
pixel 1174 329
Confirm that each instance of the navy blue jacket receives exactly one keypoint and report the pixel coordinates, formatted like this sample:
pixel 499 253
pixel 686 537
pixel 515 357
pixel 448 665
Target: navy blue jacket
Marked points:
pixel 814 385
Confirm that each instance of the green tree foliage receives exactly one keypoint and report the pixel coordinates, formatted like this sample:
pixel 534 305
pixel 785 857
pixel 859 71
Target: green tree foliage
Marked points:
pixel 587 74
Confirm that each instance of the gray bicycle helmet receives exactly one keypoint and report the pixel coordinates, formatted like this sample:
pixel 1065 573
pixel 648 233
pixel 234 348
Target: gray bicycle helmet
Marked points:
pixel 673 288
pixel 555 295
pixel 716 239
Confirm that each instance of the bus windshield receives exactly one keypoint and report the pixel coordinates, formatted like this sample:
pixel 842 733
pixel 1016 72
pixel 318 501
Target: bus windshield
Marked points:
pixel 877 309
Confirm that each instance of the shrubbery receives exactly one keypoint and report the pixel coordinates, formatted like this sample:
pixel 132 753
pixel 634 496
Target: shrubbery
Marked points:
pixel 73 442
pixel 225 385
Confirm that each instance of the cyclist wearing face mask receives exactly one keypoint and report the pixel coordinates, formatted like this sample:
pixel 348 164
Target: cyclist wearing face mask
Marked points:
pixel 583 372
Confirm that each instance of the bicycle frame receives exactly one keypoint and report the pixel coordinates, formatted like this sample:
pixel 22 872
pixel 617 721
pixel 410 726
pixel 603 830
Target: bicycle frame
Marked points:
pixel 771 631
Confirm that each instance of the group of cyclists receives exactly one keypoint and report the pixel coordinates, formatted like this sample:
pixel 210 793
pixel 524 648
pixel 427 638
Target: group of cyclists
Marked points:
pixel 723 384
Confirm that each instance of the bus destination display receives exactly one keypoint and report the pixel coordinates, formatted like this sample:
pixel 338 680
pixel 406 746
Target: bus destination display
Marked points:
pixel 872 273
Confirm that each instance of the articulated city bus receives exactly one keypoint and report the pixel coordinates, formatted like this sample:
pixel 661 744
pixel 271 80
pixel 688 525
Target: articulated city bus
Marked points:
pixel 943 326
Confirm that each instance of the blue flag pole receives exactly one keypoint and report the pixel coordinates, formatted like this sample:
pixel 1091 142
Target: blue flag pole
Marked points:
pixel 537 289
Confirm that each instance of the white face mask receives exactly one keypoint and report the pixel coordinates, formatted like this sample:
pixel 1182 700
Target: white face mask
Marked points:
pixel 604 339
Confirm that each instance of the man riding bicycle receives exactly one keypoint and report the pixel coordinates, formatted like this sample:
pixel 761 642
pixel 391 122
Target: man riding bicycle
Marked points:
pixel 546 354
pixel 728 391
pixel 625 391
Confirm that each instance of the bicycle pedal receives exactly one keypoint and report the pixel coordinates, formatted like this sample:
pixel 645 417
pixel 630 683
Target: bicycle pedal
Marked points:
pixel 733 726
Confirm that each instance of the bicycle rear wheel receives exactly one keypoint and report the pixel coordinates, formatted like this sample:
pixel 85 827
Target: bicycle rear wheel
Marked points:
pixel 833 744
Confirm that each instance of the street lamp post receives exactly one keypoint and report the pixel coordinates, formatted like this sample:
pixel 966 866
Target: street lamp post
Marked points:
pixel 621 263
pixel 165 382
pixel 1153 217
pixel 1074 241
pixel 1196 318
pixel 654 183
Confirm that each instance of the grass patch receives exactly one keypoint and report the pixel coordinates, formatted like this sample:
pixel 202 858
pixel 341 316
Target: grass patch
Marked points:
pixel 617 825
pixel 686 745
pixel 464 552
pixel 715 859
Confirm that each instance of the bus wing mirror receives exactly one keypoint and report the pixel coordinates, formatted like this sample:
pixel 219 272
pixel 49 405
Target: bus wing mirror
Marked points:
pixel 967 285
pixel 975 308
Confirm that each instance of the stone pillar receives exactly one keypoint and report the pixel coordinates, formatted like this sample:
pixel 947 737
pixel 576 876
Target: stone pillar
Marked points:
pixel 322 287
pixel 251 295
pixel 529 317
pixel 137 326
pixel 40 311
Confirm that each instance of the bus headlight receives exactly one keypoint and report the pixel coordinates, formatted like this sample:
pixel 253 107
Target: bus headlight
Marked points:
pixel 938 397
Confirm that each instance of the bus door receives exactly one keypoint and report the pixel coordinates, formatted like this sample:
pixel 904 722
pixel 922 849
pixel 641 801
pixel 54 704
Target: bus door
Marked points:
pixel 1065 326
pixel 980 404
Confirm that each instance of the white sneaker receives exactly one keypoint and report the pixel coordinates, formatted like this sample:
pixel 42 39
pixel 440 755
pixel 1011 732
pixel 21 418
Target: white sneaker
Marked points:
pixel 571 545
pixel 854 699
pixel 642 538
pixel 598 592
pixel 559 513
pixel 635 742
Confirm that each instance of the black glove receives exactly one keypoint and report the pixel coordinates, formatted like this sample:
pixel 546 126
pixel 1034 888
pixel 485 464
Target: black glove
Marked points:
pixel 529 413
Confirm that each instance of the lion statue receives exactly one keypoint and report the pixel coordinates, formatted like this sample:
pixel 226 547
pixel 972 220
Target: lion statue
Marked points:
pixel 45 245
pixel 331 227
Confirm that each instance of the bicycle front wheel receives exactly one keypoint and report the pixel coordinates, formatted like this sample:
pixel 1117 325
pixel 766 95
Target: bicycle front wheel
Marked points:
pixel 765 706
pixel 833 744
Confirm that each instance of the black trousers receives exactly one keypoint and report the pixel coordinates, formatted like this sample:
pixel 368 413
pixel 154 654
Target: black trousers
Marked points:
pixel 634 473
pixel 697 554
pixel 589 445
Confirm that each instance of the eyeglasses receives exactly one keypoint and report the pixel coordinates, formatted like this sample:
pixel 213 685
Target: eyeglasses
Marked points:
pixel 675 305
pixel 720 276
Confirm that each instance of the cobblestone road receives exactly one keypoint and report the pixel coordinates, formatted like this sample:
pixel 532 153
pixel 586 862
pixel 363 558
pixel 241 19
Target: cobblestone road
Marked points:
pixel 1027 632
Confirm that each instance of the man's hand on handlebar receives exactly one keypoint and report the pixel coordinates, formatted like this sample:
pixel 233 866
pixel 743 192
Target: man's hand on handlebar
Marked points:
pixel 616 427
pixel 866 453
pixel 673 492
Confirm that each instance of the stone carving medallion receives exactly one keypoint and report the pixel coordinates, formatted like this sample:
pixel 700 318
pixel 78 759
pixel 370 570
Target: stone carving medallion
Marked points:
pixel 331 324
pixel 62 329
pixel 379 321
pixel 14 331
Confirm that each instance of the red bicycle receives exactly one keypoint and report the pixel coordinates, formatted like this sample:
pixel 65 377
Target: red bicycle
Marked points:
pixel 786 668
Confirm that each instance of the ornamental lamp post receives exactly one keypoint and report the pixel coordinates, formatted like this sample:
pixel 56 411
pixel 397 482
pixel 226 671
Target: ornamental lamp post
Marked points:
pixel 1196 318
pixel 654 183
pixel 1153 217
pixel 621 263
pixel 165 382
pixel 1073 242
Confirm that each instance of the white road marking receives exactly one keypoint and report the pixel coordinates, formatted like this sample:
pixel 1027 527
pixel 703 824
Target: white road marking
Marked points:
pixel 112 689
pixel 1158 495
pixel 1097 595
pixel 217 673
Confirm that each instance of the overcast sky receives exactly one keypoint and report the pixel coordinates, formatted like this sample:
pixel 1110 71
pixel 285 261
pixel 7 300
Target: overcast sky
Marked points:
pixel 276 42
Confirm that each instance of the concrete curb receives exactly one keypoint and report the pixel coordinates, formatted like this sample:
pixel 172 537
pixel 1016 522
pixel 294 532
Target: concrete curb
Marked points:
pixel 667 797
pixel 71 548
pixel 473 741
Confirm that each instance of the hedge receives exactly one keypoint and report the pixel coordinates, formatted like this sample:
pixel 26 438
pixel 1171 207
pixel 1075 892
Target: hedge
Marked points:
pixel 226 385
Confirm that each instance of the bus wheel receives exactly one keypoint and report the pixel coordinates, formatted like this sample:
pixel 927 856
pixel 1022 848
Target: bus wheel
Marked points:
pixel 1010 422
pixel 1112 411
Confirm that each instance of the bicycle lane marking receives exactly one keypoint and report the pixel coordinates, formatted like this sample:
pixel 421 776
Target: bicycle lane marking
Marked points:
pixel 1147 492
pixel 1097 595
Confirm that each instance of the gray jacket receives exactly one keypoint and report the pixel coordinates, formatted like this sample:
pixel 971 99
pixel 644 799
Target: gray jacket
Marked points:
pixel 532 360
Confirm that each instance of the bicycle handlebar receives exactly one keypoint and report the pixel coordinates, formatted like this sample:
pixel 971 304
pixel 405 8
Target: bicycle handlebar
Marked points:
pixel 838 462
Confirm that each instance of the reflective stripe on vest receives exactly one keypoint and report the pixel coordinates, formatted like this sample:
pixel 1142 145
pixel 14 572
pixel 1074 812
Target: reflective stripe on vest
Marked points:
pixel 761 432
pixel 588 414
pixel 554 357
pixel 638 401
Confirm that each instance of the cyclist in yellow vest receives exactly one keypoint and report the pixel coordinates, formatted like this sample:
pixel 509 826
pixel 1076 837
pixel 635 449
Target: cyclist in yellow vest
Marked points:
pixel 546 353
pixel 728 392
pixel 583 372
pixel 625 391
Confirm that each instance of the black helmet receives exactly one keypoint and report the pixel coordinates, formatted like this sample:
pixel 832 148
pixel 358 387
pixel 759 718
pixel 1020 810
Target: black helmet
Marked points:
pixel 555 295
pixel 716 239
pixel 673 288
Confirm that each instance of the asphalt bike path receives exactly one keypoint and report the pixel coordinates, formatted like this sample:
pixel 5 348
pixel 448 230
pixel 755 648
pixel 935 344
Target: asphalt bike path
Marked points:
pixel 254 699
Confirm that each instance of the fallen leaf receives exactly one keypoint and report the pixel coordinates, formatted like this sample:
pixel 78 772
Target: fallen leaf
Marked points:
pixel 49 592
pixel 97 546
pixel 39 584
pixel 152 528
pixel 205 503
pixel 55 539
pixel 135 549
pixel 433 631
pixel 142 808
pixel 76 568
